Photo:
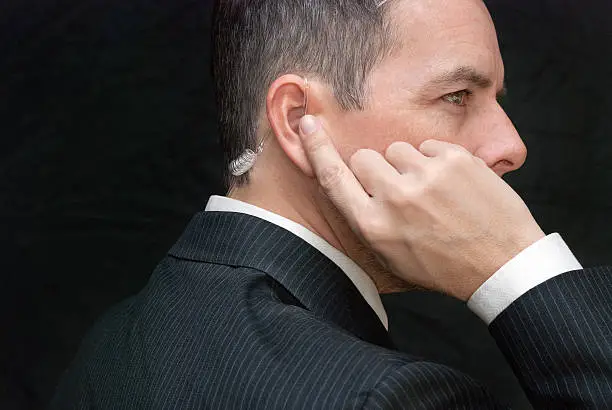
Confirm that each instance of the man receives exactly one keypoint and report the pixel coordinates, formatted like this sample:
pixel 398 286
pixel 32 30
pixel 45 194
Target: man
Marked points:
pixel 270 298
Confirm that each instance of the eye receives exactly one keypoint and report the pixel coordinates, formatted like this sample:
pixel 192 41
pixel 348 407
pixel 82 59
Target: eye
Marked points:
pixel 458 98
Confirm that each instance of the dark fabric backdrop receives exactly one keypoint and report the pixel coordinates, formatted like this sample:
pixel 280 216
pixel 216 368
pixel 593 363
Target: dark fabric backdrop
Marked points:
pixel 109 145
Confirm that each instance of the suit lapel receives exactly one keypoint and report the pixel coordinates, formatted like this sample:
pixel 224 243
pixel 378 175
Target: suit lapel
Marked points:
pixel 237 239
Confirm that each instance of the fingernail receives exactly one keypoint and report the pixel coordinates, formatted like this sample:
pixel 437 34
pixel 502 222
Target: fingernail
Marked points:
pixel 309 124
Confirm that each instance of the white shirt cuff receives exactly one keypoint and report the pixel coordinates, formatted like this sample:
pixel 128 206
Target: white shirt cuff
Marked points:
pixel 543 260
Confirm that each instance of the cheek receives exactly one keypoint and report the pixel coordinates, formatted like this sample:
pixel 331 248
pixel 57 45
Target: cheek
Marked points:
pixel 377 131
pixel 358 130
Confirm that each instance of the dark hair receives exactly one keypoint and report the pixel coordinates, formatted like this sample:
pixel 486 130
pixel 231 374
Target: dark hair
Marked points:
pixel 256 41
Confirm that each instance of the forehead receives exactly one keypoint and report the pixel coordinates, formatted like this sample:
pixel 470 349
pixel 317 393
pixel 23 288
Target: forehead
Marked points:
pixel 443 34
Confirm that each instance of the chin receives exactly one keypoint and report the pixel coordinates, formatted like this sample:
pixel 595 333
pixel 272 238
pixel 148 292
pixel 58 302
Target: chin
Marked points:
pixel 386 282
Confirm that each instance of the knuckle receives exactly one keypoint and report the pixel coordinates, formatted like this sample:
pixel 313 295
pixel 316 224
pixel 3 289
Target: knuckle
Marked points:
pixel 330 176
pixel 396 147
pixel 434 177
pixel 373 228
pixel 362 158
pixel 401 195
pixel 365 154
pixel 458 157
pixel 427 144
pixel 420 192
pixel 359 156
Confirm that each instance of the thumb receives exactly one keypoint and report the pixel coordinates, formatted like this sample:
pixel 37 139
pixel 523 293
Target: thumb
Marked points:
pixel 309 124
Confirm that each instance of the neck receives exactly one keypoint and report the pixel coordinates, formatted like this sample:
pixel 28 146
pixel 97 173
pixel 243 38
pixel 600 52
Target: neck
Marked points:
pixel 314 211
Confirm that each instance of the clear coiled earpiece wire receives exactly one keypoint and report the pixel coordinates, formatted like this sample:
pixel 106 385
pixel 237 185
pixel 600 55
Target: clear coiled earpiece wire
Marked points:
pixel 246 160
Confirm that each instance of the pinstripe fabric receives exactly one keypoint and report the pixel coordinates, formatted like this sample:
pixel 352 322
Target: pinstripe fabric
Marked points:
pixel 242 314
pixel 571 338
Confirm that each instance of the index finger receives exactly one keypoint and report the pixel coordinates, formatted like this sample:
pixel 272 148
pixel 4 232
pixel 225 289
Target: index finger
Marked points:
pixel 334 176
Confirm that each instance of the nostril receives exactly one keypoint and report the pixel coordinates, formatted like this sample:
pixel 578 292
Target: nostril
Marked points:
pixel 503 166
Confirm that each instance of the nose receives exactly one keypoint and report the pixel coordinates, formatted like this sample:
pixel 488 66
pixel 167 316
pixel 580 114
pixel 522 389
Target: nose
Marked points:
pixel 502 148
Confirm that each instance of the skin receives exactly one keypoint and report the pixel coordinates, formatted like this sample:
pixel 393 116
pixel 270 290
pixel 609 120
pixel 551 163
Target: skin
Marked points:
pixel 442 83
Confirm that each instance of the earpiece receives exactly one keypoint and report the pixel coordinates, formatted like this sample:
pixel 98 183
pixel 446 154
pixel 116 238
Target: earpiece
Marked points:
pixel 306 89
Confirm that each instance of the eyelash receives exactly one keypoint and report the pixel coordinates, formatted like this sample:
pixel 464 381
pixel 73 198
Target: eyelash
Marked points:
pixel 465 93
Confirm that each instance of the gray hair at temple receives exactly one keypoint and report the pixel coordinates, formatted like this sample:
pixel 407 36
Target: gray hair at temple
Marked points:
pixel 337 42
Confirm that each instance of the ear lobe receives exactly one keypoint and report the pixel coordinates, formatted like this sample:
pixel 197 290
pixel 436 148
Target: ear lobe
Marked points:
pixel 285 106
pixel 305 164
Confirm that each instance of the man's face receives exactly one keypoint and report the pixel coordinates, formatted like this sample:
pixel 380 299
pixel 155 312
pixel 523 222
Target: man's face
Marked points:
pixel 442 84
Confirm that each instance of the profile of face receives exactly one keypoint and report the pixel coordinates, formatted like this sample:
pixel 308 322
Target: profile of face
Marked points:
pixel 443 83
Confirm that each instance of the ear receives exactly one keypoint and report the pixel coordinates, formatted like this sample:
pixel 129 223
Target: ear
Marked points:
pixel 285 106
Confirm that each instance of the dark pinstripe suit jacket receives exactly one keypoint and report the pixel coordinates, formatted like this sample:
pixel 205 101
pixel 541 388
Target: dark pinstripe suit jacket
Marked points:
pixel 243 314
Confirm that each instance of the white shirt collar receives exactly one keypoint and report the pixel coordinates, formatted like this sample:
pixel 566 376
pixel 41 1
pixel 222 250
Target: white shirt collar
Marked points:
pixel 360 279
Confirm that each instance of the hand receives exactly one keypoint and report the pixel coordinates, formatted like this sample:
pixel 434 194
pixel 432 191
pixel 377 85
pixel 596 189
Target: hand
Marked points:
pixel 438 218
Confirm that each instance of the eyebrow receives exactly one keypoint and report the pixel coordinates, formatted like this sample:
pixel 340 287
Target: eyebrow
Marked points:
pixel 465 74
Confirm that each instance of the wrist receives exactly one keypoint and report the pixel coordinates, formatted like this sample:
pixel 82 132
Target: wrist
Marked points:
pixel 493 259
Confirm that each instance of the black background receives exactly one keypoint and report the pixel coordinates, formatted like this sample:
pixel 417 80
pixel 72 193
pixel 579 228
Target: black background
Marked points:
pixel 109 145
